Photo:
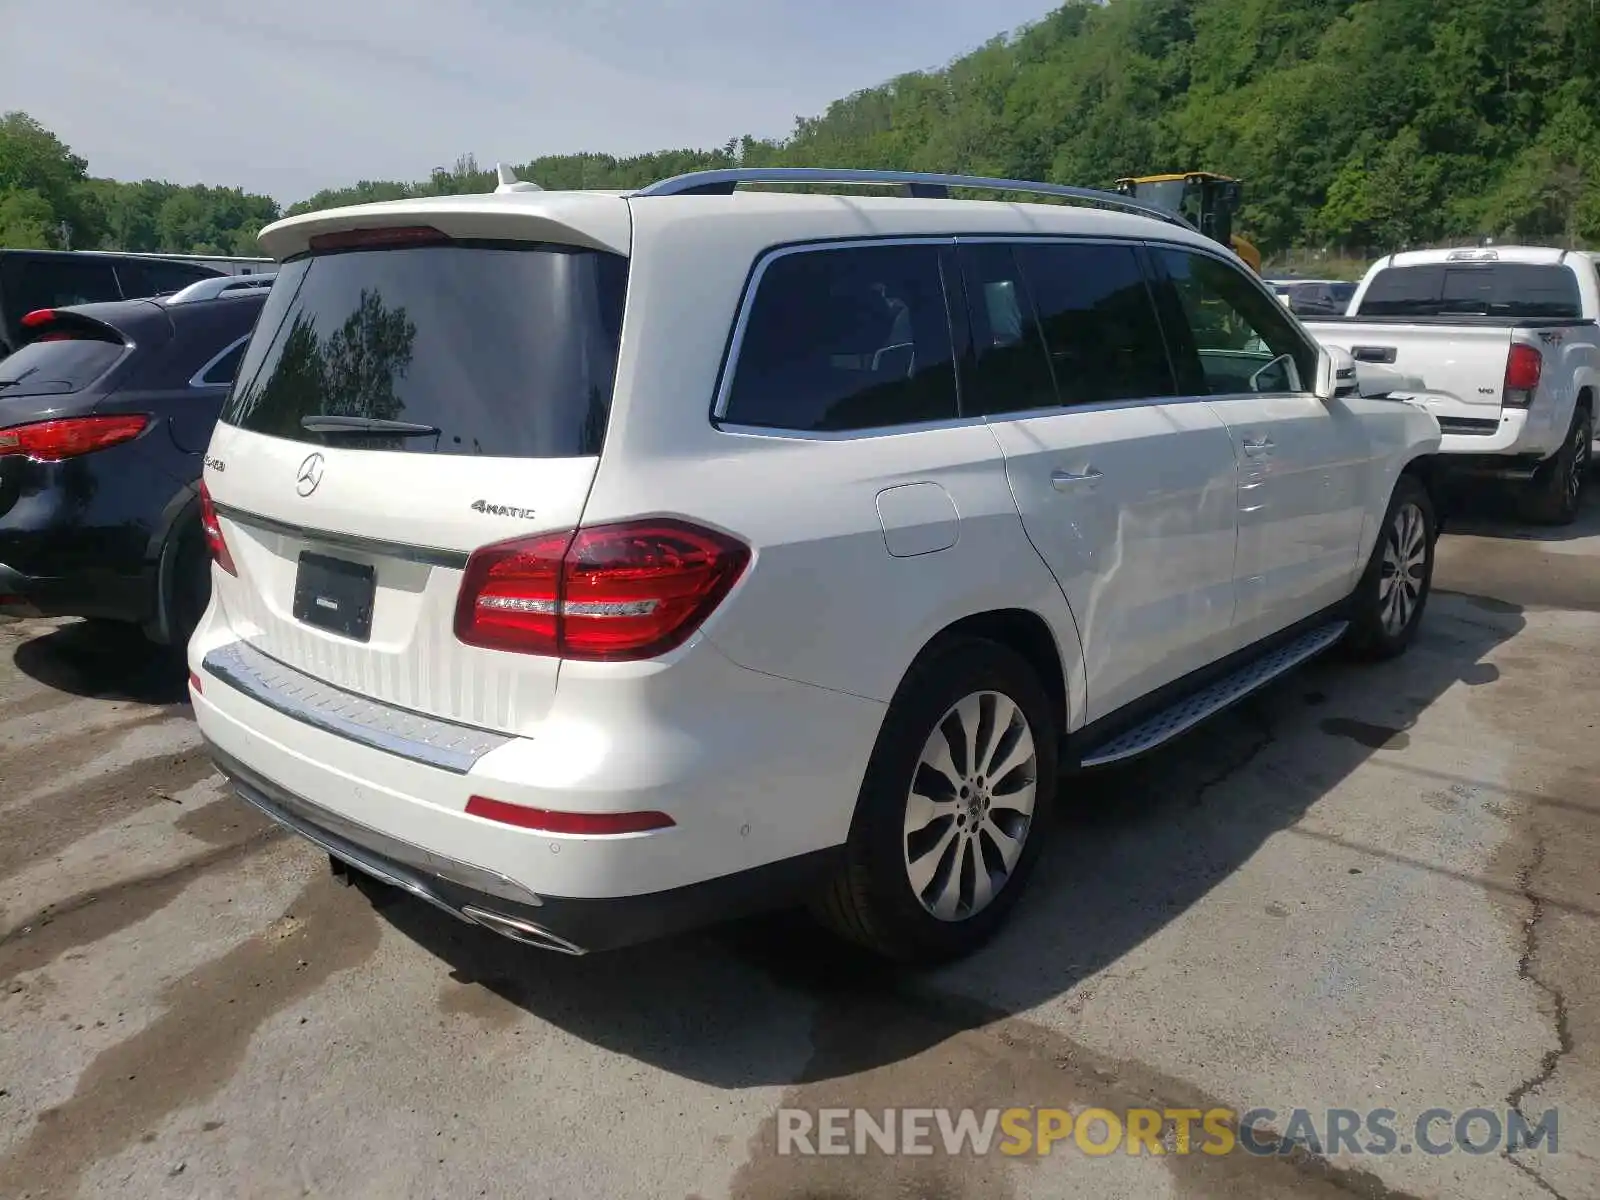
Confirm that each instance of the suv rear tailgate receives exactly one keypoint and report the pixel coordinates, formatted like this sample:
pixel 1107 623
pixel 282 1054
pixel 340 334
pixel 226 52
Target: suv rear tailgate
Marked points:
pixel 483 373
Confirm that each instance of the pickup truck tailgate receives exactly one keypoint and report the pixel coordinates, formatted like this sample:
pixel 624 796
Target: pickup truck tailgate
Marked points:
pixel 1463 367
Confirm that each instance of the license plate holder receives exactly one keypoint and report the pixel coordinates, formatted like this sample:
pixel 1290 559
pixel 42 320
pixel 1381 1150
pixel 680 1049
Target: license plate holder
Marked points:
pixel 335 595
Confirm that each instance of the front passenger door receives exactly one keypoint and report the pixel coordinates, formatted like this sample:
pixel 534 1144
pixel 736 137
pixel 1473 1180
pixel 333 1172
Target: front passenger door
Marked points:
pixel 1302 461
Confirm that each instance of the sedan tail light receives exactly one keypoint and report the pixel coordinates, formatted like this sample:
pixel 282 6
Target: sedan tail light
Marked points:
pixel 607 593
pixel 212 528
pixel 69 437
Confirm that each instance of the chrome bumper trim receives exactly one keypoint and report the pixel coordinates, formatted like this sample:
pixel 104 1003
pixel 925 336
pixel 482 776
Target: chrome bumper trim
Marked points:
pixel 428 740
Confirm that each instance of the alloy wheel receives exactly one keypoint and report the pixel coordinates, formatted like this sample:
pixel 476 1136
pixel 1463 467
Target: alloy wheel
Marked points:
pixel 1405 557
pixel 970 805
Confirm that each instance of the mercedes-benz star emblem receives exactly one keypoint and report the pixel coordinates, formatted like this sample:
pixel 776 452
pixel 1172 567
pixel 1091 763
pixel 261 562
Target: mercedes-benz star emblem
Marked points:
pixel 310 475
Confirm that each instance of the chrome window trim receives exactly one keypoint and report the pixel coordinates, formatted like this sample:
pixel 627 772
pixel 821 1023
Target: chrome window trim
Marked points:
pixel 427 555
pixel 747 302
pixel 198 379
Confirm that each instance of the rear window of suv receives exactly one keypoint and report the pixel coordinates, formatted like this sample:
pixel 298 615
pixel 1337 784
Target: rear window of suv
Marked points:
pixel 1517 290
pixel 54 368
pixel 507 350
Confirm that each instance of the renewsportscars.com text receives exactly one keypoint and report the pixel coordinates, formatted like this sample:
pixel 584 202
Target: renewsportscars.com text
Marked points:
pixel 1156 1131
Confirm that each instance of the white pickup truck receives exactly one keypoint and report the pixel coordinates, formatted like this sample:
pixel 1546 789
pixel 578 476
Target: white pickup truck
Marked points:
pixel 1507 344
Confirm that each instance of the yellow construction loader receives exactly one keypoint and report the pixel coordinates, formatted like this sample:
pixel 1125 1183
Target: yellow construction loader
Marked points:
pixel 1205 200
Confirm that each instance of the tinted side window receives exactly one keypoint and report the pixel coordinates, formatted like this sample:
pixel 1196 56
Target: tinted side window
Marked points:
pixel 226 367
pixel 1011 368
pixel 1229 336
pixel 57 282
pixel 1099 322
pixel 849 338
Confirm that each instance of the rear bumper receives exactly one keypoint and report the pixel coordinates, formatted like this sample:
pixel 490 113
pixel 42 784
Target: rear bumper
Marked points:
pixel 759 775
pixel 488 899
pixel 101 594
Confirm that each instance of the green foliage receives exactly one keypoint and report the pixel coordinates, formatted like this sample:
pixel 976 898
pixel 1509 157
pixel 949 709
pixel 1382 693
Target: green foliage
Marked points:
pixel 48 201
pixel 1357 126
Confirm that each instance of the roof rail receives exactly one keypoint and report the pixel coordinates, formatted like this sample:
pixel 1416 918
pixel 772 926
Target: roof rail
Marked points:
pixel 222 285
pixel 911 183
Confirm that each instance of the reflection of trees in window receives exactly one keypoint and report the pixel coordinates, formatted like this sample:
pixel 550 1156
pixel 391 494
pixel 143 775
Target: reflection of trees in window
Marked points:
pixel 364 359
pixel 352 373
pixel 294 384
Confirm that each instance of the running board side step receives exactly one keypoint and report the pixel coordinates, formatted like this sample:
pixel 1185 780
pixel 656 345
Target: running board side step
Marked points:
pixel 1190 710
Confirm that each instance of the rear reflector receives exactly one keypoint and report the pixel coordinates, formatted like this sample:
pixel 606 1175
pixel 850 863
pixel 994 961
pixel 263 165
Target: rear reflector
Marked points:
pixel 194 682
pixel 398 235
pixel 549 821
pixel 212 528
pixel 1524 368
pixel 606 593
pixel 69 437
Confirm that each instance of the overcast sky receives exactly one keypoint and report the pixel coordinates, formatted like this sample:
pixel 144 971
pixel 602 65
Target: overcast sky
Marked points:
pixel 291 96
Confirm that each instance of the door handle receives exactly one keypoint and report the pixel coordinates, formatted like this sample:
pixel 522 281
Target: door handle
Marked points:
pixel 1062 480
pixel 1257 449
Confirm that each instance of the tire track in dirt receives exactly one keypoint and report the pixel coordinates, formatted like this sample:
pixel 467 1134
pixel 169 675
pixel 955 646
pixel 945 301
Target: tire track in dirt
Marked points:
pixel 194 1047
pixel 44 826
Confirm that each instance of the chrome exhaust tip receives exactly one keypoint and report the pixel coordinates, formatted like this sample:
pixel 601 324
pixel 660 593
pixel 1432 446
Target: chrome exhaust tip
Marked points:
pixel 519 930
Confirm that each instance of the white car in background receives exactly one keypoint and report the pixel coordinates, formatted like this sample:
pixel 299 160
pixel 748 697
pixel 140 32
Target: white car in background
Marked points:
pixel 593 565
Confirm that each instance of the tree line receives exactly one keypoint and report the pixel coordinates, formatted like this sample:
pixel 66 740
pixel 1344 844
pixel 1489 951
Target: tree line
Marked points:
pixel 1356 124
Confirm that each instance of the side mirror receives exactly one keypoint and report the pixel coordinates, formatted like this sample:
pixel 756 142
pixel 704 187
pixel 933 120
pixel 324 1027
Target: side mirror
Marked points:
pixel 1336 374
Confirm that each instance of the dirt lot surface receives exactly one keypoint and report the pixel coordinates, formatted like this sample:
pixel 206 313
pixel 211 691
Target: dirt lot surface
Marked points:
pixel 1370 887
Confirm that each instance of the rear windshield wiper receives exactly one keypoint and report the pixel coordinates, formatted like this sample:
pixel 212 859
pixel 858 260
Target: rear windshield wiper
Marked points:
pixel 5 383
pixel 336 424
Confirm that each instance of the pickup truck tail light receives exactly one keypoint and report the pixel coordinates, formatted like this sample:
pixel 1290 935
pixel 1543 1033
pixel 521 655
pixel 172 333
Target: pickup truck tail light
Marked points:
pixel 1524 367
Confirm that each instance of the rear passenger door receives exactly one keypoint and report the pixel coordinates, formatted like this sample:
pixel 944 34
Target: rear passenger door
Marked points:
pixel 1303 461
pixel 1127 495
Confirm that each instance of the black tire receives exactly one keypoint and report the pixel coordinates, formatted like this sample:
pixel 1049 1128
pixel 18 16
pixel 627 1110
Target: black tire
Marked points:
pixel 1377 629
pixel 1555 494
pixel 188 584
pixel 871 900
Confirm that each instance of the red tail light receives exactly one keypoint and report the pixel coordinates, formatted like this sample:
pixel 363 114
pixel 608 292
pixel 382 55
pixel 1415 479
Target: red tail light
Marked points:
pixel 609 593
pixel 1524 368
pixel 550 821
pixel 210 526
pixel 396 235
pixel 68 437
pixel 39 316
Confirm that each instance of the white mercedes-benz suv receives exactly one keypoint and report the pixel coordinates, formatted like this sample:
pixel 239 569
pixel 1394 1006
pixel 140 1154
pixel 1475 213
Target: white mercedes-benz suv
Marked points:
pixel 593 565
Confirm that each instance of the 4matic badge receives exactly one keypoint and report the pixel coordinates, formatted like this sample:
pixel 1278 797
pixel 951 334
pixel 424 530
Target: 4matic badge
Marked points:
pixel 502 510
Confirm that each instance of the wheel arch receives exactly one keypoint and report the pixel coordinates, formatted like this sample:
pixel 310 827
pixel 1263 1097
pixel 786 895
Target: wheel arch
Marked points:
pixel 1427 470
pixel 1025 633
pixel 180 511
